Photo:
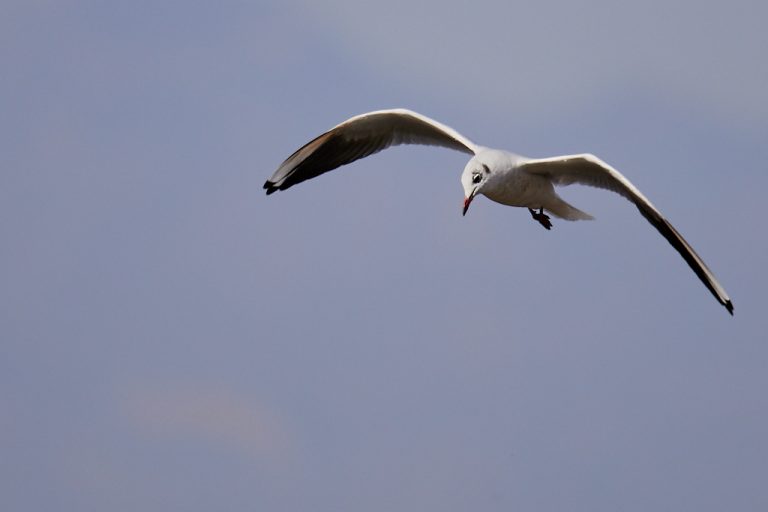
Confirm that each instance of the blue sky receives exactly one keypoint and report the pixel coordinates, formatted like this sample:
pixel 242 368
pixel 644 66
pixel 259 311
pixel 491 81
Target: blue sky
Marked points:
pixel 170 338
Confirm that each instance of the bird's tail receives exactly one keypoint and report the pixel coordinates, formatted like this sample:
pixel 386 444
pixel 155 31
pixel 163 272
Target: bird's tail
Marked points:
pixel 563 210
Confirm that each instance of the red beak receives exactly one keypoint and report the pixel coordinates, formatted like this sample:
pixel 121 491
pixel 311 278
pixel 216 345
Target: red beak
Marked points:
pixel 467 200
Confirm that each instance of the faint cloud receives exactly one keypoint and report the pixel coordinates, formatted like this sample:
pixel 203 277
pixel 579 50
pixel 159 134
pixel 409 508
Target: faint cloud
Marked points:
pixel 533 57
pixel 214 415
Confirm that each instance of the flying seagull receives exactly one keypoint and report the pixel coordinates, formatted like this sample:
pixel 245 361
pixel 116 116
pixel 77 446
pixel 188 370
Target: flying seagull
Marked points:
pixel 501 176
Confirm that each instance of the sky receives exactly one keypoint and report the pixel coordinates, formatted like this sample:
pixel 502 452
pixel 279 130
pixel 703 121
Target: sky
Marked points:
pixel 171 338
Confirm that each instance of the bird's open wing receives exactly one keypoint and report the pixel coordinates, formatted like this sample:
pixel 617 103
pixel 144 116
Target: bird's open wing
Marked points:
pixel 362 136
pixel 591 171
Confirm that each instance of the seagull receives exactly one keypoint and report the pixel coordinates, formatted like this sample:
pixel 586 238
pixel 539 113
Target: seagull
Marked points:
pixel 501 176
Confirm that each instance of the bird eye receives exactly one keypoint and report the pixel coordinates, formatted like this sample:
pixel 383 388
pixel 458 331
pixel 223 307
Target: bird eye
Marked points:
pixel 476 178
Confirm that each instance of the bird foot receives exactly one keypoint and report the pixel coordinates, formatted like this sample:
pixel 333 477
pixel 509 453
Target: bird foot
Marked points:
pixel 541 217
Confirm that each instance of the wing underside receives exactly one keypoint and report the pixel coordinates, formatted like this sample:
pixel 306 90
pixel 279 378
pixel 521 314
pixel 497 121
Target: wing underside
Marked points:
pixel 362 136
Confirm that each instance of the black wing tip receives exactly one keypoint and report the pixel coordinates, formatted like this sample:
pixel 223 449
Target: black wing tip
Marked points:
pixel 270 187
pixel 729 306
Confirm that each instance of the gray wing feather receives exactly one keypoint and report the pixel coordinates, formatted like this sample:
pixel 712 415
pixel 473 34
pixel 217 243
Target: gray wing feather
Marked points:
pixel 362 136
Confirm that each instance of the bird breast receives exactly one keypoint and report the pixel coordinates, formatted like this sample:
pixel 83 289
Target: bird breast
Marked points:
pixel 517 188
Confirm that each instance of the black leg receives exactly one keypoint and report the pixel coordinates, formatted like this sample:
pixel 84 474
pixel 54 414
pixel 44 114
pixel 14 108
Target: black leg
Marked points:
pixel 541 217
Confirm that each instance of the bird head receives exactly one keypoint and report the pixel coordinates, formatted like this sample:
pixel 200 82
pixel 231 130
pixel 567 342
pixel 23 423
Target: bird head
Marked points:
pixel 473 179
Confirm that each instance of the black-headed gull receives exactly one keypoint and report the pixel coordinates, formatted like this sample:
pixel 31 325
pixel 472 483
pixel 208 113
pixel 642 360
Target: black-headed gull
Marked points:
pixel 501 176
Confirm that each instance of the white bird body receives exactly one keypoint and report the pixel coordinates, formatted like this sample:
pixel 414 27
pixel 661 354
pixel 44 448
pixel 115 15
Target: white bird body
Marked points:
pixel 509 184
pixel 501 176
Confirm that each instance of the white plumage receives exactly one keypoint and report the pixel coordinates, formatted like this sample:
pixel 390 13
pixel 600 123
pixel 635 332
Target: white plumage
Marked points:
pixel 504 177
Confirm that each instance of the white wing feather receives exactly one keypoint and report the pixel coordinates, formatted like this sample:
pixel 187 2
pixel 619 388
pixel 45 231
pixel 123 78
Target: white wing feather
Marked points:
pixel 589 170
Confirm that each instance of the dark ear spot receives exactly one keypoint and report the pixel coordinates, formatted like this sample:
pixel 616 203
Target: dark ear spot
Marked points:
pixel 487 170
